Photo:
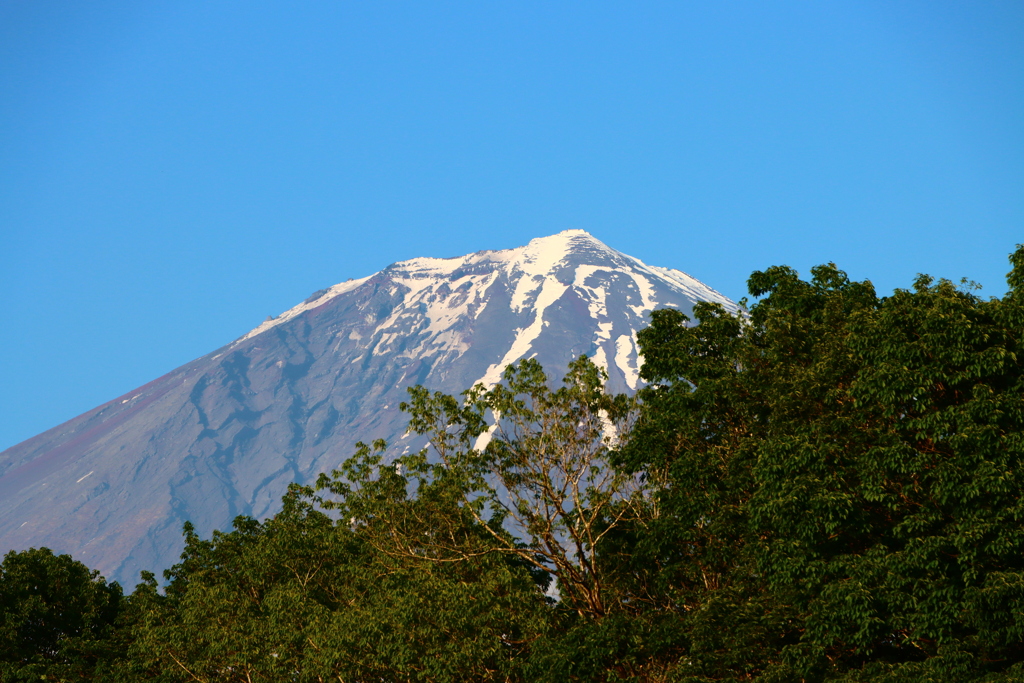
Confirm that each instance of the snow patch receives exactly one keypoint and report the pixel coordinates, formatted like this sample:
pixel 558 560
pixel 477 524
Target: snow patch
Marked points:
pixel 525 286
pixel 542 254
pixel 550 292
pixel 596 297
pixel 485 437
pixel 626 359
pixel 304 306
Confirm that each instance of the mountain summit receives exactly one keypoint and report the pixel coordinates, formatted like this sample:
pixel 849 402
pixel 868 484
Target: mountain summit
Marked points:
pixel 225 434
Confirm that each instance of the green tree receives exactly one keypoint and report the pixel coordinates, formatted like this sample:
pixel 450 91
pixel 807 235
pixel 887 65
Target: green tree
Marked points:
pixel 304 596
pixel 825 487
pixel 541 485
pixel 56 618
pixel 840 477
pixel 521 471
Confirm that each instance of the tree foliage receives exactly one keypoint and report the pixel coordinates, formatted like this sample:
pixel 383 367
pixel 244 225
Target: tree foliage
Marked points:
pixel 843 474
pixel 540 488
pixel 304 596
pixel 825 487
pixel 56 618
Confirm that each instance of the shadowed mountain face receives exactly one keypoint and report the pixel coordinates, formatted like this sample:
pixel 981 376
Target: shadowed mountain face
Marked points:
pixel 225 434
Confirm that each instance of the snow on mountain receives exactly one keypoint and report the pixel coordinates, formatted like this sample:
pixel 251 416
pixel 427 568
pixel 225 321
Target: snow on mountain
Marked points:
pixel 226 433
pixel 535 284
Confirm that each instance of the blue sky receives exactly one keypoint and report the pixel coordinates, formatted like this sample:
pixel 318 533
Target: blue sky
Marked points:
pixel 173 172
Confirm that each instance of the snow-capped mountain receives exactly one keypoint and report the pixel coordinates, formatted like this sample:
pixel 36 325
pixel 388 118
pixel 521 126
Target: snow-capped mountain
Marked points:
pixel 225 434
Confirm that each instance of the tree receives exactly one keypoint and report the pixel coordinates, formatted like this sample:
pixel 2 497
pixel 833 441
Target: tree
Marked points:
pixel 540 489
pixel 304 596
pixel 843 475
pixel 431 567
pixel 522 471
pixel 827 487
pixel 55 617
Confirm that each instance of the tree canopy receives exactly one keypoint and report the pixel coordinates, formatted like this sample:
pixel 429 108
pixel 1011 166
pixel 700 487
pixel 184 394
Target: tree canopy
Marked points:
pixel 842 475
pixel 56 618
pixel 825 486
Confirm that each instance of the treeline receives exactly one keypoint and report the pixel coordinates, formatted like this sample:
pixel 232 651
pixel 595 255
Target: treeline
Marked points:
pixel 826 488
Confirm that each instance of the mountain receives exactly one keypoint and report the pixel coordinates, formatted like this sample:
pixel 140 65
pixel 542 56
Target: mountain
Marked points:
pixel 225 434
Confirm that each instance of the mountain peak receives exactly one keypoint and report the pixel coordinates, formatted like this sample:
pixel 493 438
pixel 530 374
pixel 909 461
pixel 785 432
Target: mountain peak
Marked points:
pixel 543 253
pixel 566 240
pixel 225 434
pixel 541 257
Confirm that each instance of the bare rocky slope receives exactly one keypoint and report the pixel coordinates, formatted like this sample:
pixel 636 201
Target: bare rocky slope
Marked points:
pixel 225 434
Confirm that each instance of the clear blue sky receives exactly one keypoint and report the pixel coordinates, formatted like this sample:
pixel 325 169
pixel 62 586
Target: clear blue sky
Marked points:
pixel 173 172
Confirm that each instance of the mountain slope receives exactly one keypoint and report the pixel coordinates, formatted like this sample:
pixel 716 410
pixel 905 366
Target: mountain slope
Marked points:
pixel 226 433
